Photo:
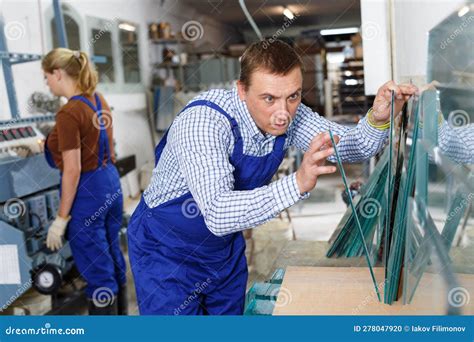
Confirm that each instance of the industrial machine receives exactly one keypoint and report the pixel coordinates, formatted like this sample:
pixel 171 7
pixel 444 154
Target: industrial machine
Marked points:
pixel 29 193
pixel 29 201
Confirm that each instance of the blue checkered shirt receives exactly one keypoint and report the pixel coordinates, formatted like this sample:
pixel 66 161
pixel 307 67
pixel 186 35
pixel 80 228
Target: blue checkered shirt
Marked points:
pixel 200 143
pixel 457 143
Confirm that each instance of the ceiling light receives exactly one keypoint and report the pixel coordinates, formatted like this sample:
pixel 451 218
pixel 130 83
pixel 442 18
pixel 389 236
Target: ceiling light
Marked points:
pixel 127 27
pixel 332 32
pixel 351 81
pixel 463 11
pixel 287 13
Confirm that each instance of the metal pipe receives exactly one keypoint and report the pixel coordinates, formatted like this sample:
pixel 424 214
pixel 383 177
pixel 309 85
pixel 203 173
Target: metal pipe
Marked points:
pixel 8 74
pixel 60 26
pixel 250 19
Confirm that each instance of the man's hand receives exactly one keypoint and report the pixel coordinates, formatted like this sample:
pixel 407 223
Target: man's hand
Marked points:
pixel 382 102
pixel 313 162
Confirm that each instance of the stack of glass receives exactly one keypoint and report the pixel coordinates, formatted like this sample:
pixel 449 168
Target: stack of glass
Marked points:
pixel 421 224
pixel 419 229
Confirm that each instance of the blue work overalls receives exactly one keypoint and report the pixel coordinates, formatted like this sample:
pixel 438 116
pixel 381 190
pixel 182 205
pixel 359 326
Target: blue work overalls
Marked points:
pixel 96 218
pixel 179 266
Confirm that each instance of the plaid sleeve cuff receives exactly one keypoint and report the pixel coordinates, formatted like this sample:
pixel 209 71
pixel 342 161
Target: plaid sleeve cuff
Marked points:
pixel 286 192
pixel 373 133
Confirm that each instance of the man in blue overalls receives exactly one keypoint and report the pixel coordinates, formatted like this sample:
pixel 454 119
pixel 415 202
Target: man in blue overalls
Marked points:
pixel 212 181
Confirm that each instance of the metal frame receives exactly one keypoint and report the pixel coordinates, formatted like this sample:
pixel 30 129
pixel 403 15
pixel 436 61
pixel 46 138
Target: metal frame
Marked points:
pixel 60 26
pixel 32 119
pixel 8 59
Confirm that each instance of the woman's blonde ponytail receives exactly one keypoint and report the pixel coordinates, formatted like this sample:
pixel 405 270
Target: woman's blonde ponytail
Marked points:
pixel 87 74
pixel 76 64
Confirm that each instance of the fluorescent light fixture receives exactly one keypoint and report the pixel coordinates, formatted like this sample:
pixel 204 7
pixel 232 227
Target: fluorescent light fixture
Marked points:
pixel 287 13
pixel 335 58
pixel 332 32
pixel 127 27
pixel 463 11
pixel 351 81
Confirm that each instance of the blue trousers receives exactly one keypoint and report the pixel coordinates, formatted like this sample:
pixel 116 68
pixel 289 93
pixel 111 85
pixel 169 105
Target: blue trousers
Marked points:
pixel 96 218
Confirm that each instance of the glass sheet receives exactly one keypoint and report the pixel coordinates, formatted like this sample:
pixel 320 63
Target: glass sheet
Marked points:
pixel 450 189
pixel 445 188
pixel 356 217
pixel 388 188
pixel 345 240
pixel 426 229
pixel 402 187
pixel 449 205
pixel 430 271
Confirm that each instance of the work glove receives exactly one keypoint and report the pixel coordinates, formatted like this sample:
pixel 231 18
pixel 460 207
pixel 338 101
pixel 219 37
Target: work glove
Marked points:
pixel 54 240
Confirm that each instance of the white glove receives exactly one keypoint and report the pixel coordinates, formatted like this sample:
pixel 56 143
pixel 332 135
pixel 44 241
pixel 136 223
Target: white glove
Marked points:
pixel 56 232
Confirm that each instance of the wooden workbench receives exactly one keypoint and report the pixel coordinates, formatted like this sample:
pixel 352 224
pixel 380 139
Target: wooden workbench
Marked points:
pixel 349 291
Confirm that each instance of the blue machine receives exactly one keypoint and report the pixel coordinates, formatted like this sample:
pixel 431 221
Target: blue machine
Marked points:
pixel 29 193
pixel 37 211
pixel 29 201
pixel 52 203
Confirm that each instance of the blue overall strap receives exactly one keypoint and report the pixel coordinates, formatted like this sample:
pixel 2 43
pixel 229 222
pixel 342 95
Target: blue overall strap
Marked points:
pixel 235 128
pixel 103 139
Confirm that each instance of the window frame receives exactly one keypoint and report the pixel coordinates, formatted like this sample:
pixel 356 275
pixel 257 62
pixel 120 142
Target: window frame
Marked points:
pixel 86 24
pixel 137 32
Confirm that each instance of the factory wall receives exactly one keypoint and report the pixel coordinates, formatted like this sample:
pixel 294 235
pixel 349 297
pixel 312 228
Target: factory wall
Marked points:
pixel 30 33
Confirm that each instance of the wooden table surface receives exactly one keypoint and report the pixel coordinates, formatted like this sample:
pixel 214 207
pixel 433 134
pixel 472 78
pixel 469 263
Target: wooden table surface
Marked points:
pixel 350 291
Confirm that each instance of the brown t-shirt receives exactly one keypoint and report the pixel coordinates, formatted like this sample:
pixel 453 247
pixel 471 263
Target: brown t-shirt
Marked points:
pixel 77 126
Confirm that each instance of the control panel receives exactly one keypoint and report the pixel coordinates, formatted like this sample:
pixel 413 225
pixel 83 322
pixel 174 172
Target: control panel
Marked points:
pixel 13 137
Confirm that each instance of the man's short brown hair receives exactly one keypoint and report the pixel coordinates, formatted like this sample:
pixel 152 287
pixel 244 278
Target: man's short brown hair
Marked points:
pixel 275 56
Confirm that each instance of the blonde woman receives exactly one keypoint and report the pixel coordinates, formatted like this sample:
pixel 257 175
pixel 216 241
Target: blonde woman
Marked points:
pixel 81 146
